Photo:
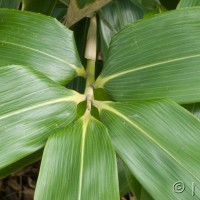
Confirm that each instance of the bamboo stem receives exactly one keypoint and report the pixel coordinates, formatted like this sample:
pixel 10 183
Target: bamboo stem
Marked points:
pixel 90 55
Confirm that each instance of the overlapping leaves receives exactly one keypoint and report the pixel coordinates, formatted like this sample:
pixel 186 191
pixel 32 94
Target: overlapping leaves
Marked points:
pixel 39 42
pixel 158 141
pixel 151 59
pixel 80 161
pixel 31 107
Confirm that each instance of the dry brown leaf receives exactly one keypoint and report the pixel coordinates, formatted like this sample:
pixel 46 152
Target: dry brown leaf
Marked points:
pixel 75 14
pixel 14 184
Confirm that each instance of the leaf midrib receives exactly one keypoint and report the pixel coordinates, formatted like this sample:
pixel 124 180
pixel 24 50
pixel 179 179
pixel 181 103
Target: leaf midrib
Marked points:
pixel 109 108
pixel 41 52
pixel 35 106
pixel 102 80
pixel 85 120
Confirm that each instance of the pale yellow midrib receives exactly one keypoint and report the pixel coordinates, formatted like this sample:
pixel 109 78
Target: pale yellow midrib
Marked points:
pixel 85 121
pixel 35 107
pixel 102 80
pixel 107 107
pixel 36 50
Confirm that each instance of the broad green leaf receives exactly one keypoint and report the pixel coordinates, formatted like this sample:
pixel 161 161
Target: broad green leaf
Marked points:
pixel 155 58
pixel 79 163
pixel 9 3
pixel 159 142
pixel 31 107
pixel 40 42
pixel 20 164
pixel 41 6
pixel 115 16
pixel 186 3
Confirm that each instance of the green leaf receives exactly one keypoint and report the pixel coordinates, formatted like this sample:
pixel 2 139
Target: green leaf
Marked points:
pixel 79 163
pixel 115 16
pixel 128 183
pixel 133 185
pixel 42 6
pixel 31 108
pixel 159 142
pixel 155 58
pixel 186 3
pixel 40 42
pixel 9 3
pixel 20 164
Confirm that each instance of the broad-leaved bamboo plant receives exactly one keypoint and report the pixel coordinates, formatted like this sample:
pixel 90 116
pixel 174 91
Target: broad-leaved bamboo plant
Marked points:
pixel 130 122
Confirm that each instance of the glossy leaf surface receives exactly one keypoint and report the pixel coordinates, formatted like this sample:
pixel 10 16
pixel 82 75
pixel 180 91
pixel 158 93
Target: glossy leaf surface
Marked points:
pixel 115 16
pixel 31 107
pixel 138 68
pixel 79 163
pixel 39 42
pixel 159 142
pixel 186 3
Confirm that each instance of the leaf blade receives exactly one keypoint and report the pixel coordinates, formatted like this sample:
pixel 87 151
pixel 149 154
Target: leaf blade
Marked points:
pixel 147 62
pixel 84 152
pixel 27 116
pixel 158 141
pixel 44 45
pixel 115 16
pixel 186 4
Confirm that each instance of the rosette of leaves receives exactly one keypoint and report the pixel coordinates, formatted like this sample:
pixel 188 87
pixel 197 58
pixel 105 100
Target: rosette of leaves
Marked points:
pixel 151 67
